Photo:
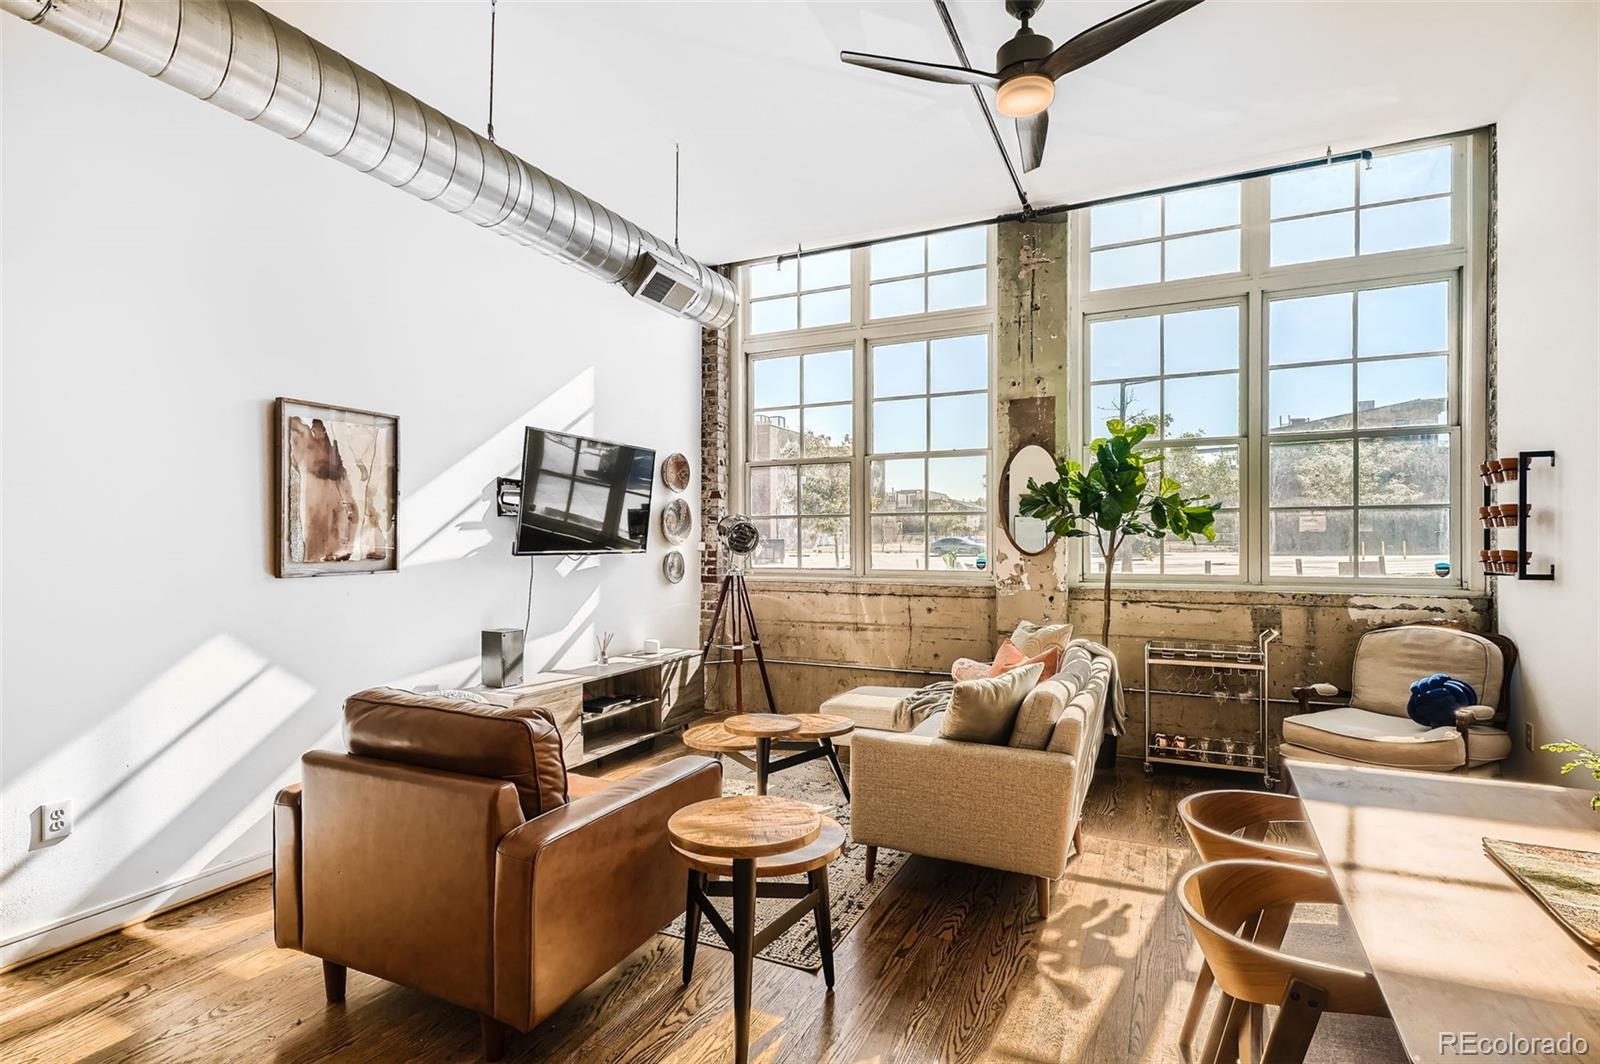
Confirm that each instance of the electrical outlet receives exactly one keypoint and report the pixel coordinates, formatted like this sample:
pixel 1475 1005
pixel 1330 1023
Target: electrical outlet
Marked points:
pixel 55 821
pixel 1527 735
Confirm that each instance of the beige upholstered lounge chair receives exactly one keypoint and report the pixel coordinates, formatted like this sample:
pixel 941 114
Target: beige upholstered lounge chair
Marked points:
pixel 1374 728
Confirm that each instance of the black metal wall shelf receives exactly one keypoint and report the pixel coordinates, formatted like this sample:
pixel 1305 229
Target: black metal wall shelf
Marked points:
pixel 1524 461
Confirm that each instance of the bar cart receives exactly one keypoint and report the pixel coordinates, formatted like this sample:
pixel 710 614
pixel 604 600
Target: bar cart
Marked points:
pixel 1230 753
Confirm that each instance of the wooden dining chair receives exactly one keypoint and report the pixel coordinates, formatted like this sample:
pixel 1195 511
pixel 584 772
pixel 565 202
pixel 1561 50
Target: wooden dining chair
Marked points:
pixel 1232 825
pixel 1220 901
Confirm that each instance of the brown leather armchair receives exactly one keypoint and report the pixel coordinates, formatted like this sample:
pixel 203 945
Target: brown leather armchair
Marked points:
pixel 448 853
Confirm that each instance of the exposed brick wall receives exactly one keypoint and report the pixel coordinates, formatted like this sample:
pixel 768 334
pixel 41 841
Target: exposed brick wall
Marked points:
pixel 714 437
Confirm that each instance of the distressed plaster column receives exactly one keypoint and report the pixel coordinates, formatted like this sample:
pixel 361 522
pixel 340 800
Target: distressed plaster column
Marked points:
pixel 1030 402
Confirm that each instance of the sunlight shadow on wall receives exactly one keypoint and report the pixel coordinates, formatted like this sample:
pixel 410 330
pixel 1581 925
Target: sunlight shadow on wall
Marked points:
pixel 449 517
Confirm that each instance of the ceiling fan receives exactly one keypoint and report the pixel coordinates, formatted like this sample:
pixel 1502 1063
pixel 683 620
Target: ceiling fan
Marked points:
pixel 1027 65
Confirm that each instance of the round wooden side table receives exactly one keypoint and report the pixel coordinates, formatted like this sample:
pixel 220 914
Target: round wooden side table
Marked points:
pixel 811 733
pixel 738 834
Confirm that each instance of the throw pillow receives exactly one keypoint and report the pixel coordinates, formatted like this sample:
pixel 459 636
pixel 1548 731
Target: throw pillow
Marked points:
pixel 1004 662
pixel 983 711
pixel 967 669
pixel 1033 639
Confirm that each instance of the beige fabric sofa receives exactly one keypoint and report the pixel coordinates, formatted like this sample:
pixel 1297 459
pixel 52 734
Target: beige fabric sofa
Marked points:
pixel 1004 807
pixel 1374 729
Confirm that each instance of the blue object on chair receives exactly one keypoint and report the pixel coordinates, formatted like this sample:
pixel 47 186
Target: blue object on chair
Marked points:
pixel 1434 700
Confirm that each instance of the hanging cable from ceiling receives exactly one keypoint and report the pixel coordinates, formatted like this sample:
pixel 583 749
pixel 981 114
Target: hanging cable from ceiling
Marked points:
pixel 491 73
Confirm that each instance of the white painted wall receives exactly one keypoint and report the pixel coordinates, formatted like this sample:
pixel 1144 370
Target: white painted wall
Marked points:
pixel 168 270
pixel 1549 344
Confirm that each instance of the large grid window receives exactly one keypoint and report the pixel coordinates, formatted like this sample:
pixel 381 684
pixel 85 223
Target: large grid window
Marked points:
pixel 806 293
pixel 1325 384
pixel 1194 233
pixel 865 443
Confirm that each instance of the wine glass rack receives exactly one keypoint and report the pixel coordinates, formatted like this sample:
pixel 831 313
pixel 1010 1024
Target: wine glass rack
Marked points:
pixel 1249 752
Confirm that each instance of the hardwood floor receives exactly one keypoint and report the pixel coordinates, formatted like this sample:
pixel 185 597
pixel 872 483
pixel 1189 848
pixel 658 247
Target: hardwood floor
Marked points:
pixel 948 965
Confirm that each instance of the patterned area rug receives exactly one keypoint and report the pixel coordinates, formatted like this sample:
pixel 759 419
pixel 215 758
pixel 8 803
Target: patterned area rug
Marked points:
pixel 849 893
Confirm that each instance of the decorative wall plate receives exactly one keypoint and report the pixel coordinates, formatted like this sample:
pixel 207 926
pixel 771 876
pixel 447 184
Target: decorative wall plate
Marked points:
pixel 673 566
pixel 675 471
pixel 676 521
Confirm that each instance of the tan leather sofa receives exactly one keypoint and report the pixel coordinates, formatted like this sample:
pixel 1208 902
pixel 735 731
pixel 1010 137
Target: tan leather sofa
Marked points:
pixel 1375 729
pixel 449 851
pixel 999 806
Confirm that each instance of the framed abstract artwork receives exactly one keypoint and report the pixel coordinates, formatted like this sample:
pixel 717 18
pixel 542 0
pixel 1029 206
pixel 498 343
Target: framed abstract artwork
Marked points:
pixel 338 488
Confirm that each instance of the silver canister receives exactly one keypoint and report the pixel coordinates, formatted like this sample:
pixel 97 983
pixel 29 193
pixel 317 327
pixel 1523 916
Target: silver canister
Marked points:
pixel 502 657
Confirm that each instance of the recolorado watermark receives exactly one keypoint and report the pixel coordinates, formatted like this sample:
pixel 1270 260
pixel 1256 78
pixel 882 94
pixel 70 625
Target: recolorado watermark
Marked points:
pixel 1510 1045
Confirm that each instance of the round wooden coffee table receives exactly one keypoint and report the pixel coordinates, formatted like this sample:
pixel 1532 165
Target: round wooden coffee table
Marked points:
pixel 743 838
pixel 812 734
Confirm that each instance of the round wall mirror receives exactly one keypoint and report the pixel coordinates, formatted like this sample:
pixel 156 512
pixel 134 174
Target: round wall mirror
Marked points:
pixel 1030 534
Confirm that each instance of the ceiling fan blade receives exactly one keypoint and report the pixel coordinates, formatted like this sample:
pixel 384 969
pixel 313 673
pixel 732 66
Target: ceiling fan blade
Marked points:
pixel 950 75
pixel 1108 36
pixel 1030 138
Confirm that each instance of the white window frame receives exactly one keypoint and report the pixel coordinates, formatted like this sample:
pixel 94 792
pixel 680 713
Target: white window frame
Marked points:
pixel 857 335
pixel 1463 262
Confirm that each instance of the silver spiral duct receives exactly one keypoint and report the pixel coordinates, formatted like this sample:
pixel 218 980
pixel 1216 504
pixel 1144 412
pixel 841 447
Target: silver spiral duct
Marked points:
pixel 233 54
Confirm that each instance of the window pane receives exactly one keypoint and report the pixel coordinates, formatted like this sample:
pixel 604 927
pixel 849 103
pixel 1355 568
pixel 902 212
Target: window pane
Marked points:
pixel 1138 403
pixel 772 279
pixel 1403 321
pixel 1404 391
pixel 1405 225
pixel 1404 543
pixel 894 298
pixel 897 258
pixel 1198 340
pixel 1204 255
pixel 1314 543
pixel 775 381
pixel 947 291
pixel 828 430
pixel 1212 471
pixel 958 483
pixel 1311 474
pixel 825 543
pixel 775 434
pixel 828 270
pixel 1202 406
pixel 1118 223
pixel 1309 399
pixel 964 247
pixel 1311 329
pixel 960 363
pixel 1120 267
pixel 1326 236
pixel 1125 347
pixel 772 315
pixel 900 425
pixel 825 489
pixel 956 543
pixel 960 422
pixel 1204 557
pixel 779 537
pixel 896 484
pixel 1320 188
pixel 1405 469
pixel 1136 555
pixel 900 369
pixel 824 308
pixel 1212 207
pixel 828 377
pixel 1407 174
pixel 772 490
pixel 899 542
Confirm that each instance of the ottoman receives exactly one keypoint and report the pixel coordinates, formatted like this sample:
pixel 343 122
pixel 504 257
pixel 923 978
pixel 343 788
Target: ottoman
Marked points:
pixel 877 708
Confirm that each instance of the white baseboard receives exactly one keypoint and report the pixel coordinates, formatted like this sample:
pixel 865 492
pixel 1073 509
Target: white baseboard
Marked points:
pixel 113 916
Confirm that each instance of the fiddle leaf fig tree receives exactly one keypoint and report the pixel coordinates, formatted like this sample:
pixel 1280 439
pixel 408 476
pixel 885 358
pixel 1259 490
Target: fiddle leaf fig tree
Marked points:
pixel 1123 493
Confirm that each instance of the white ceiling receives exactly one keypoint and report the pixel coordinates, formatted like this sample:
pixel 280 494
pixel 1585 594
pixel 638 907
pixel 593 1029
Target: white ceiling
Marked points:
pixel 783 144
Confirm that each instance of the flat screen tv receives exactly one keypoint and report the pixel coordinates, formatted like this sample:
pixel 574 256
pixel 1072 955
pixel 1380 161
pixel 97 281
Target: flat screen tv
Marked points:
pixel 583 496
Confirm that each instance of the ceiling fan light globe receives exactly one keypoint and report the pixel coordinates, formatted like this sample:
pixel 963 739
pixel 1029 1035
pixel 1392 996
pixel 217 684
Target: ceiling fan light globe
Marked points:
pixel 1024 95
